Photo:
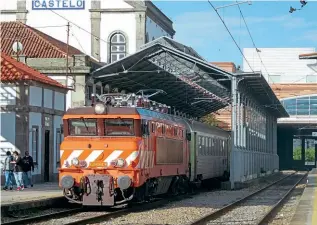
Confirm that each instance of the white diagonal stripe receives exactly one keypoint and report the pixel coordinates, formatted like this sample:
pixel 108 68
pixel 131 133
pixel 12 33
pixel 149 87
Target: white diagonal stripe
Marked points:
pixel 75 154
pixel 132 157
pixel 114 155
pixel 61 153
pixel 140 159
pixel 93 156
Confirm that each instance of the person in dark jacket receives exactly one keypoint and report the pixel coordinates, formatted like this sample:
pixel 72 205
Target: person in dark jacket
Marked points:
pixel 18 171
pixel 8 171
pixel 28 165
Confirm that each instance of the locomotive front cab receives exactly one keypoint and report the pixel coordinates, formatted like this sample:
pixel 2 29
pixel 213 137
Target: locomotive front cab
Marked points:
pixel 99 155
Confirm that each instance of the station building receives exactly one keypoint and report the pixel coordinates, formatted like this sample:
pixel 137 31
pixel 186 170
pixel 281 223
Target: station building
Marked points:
pixel 107 30
pixel 32 106
pixel 100 31
pixel 292 74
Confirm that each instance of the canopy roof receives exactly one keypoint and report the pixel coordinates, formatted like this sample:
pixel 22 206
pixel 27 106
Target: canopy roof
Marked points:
pixel 192 85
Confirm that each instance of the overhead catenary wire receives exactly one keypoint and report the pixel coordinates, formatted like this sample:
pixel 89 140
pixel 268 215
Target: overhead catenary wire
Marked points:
pixel 231 35
pixel 256 49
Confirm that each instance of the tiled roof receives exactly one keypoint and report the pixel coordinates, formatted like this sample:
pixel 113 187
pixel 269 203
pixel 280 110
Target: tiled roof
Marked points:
pixel 12 71
pixel 35 43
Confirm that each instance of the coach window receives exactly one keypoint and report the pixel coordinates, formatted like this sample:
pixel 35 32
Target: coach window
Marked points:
pixel 206 145
pixel 203 145
pixel 209 146
pixel 199 145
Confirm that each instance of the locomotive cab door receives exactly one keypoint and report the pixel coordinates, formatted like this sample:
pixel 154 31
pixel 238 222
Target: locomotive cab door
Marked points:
pixel 147 152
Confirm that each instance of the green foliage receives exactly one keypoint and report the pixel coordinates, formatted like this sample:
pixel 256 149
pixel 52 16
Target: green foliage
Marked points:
pixel 297 153
pixel 209 119
pixel 309 154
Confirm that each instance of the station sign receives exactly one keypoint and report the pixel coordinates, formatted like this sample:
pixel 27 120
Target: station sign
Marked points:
pixel 58 4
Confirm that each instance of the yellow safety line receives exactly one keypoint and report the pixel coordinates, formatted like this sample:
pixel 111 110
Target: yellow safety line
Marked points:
pixel 314 217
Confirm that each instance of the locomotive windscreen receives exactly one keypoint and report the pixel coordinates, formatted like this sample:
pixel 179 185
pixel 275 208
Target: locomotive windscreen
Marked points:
pixel 119 127
pixel 83 127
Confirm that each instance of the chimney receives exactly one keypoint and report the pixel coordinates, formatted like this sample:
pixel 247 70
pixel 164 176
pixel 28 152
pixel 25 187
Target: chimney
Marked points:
pixel 20 58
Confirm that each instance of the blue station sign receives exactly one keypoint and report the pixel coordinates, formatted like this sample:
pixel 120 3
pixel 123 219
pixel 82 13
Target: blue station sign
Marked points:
pixel 58 4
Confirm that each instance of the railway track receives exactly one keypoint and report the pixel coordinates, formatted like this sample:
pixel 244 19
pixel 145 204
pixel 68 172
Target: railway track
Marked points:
pixel 256 208
pixel 81 216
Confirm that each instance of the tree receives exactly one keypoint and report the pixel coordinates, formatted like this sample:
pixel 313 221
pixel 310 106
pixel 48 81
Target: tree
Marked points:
pixel 209 119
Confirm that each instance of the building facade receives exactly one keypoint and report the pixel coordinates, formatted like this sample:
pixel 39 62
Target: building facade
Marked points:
pixel 292 75
pixel 49 56
pixel 32 106
pixel 107 30
pixel 281 65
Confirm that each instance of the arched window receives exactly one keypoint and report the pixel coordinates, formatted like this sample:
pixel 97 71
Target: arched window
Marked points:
pixel 304 105
pixel 117 47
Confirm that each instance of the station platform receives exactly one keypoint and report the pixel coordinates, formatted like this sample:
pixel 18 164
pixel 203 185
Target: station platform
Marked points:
pixel 306 211
pixel 39 195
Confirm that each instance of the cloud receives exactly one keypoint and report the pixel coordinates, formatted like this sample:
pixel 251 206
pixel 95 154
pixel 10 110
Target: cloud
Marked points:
pixel 200 28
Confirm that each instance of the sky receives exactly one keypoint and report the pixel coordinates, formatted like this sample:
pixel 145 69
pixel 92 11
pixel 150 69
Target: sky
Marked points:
pixel 270 24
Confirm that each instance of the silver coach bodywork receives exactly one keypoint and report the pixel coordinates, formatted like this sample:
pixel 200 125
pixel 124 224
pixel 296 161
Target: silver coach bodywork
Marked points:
pixel 209 150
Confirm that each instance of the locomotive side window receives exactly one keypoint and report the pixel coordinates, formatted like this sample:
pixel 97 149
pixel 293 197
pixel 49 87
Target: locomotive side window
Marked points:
pixel 163 128
pixel 119 127
pixel 175 131
pixel 82 127
pixel 153 127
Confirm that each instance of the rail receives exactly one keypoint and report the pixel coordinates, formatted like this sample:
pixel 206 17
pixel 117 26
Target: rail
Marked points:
pixel 214 215
pixel 270 214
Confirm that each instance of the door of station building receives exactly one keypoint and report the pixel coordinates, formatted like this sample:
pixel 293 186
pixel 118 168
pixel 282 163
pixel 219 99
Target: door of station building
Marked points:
pixel 310 152
pixel 304 153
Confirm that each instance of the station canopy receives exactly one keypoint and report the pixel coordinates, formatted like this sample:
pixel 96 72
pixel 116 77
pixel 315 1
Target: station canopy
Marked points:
pixel 192 85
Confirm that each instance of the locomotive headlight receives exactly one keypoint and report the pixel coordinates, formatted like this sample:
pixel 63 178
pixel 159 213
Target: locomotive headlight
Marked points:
pixel 75 161
pixel 67 181
pixel 124 182
pixel 100 108
pixel 120 163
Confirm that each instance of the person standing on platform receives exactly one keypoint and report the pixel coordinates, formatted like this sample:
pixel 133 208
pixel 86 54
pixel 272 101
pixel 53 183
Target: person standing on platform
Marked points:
pixel 28 165
pixel 17 171
pixel 8 171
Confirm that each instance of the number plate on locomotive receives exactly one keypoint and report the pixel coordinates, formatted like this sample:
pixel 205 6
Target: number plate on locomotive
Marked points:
pixel 97 164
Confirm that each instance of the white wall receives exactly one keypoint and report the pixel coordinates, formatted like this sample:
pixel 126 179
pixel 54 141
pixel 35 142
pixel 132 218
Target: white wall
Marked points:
pixel 35 98
pixel 280 61
pixel 78 38
pixel 48 98
pixel 154 30
pixel 7 135
pixel 57 122
pixel 7 94
pixel 59 101
pixel 111 22
pixel 115 4
pixel 35 119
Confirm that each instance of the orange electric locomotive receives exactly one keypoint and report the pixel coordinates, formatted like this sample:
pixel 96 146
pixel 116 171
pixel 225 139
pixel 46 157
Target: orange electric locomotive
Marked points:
pixel 125 148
